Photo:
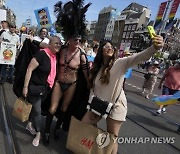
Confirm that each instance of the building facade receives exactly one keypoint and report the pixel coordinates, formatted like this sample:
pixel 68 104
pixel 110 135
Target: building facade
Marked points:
pixel 10 16
pixel 92 31
pixel 118 30
pixel 103 20
pixel 2 3
pixel 132 17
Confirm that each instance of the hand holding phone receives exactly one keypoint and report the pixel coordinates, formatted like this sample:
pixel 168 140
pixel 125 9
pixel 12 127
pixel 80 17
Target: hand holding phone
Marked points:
pixel 151 31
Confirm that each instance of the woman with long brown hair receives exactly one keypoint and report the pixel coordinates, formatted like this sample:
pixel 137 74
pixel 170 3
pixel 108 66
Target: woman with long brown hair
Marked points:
pixel 106 81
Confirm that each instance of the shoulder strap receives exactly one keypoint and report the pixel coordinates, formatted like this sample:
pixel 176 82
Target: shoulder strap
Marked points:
pixel 67 62
pixel 81 53
pixel 118 95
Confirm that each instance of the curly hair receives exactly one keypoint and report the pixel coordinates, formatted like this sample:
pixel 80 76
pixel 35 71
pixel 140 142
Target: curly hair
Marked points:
pixel 98 63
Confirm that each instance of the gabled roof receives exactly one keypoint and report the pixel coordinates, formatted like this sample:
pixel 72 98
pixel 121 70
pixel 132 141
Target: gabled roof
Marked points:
pixel 134 15
pixel 134 7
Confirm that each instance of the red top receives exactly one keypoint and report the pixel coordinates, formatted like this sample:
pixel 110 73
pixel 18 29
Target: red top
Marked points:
pixel 172 79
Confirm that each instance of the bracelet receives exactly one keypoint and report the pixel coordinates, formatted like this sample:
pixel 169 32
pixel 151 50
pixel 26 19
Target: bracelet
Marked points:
pixel 25 86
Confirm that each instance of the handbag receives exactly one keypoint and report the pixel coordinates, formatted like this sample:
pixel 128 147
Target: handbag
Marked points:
pixel 99 107
pixel 147 76
pixel 36 90
pixel 87 139
pixel 22 109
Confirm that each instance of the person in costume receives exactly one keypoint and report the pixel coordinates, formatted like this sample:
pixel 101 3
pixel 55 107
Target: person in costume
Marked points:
pixel 71 58
pixel 106 82
pixel 44 63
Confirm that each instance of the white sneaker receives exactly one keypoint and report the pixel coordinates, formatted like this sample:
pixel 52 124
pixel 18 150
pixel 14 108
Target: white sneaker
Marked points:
pixel 158 111
pixel 36 140
pixel 147 97
pixel 164 109
pixel 30 128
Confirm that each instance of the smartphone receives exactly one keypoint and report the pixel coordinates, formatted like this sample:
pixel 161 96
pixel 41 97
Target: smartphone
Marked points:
pixel 151 31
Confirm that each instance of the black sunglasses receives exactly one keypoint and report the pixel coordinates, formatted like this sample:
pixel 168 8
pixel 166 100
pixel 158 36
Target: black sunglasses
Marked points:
pixel 76 39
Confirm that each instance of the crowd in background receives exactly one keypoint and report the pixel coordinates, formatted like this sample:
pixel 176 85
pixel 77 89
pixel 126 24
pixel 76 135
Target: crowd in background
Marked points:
pixel 67 67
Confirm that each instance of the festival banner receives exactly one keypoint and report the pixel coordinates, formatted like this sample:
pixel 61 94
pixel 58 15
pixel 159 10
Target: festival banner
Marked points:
pixel 43 18
pixel 160 15
pixel 172 14
pixel 121 50
pixel 28 23
pixel 7 53
pixel 174 8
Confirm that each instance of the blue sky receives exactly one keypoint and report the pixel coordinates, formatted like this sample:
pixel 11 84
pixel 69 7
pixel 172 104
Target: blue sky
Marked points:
pixel 24 9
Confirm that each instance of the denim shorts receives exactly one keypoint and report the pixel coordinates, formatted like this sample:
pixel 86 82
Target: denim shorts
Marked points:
pixel 168 91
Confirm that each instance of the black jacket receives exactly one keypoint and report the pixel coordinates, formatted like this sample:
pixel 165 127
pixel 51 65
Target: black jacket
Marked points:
pixel 21 64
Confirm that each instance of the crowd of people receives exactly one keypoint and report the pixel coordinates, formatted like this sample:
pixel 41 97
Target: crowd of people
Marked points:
pixel 59 65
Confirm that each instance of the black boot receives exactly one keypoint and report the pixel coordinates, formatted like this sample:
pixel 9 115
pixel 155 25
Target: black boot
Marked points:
pixel 47 129
pixel 58 124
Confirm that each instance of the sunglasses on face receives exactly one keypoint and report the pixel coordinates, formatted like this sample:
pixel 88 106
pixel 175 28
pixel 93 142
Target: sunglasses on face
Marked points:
pixel 108 47
pixel 12 27
pixel 58 43
pixel 77 39
pixel 43 31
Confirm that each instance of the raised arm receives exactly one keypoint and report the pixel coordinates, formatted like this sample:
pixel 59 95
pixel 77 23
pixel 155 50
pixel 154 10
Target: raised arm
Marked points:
pixel 135 59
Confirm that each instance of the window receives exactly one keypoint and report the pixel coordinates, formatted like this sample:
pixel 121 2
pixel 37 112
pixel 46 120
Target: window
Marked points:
pixel 127 34
pixel 124 35
pixel 131 34
pixel 125 28
pixel 129 27
pixel 133 27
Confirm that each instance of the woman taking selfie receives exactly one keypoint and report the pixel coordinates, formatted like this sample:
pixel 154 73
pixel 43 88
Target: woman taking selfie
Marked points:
pixel 106 81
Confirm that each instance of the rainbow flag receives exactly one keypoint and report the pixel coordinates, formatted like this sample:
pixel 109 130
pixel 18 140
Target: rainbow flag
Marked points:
pixel 167 99
pixel 172 14
pixel 158 21
pixel 174 9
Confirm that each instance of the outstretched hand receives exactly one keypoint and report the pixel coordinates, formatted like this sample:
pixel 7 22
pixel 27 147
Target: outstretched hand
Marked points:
pixel 157 41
